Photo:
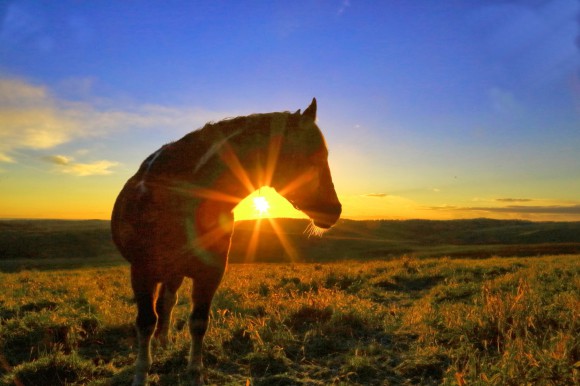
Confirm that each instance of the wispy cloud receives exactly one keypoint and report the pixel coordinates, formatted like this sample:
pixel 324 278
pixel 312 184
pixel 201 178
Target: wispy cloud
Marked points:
pixel 31 117
pixel 379 195
pixel 343 6
pixel 58 159
pixel 97 168
pixel 66 165
pixel 513 199
pixel 551 209
pixel 442 207
pixel 516 209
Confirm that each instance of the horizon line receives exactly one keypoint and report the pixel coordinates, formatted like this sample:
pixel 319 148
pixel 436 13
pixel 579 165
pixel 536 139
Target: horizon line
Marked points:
pixel 306 219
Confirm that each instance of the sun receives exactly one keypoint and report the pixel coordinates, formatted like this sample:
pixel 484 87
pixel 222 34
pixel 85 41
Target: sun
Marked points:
pixel 265 202
pixel 261 205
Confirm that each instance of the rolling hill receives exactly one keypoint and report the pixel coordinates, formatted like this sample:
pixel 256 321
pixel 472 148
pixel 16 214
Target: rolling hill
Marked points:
pixel 349 239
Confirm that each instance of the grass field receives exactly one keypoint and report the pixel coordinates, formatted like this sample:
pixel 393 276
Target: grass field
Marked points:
pixel 498 321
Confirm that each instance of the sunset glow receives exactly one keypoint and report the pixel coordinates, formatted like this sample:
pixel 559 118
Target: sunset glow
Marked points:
pixel 431 110
pixel 265 203
pixel 262 206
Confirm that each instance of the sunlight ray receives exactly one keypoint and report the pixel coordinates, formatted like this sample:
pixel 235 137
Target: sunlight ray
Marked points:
pixel 272 161
pixel 253 243
pixel 232 161
pixel 215 195
pixel 290 250
pixel 296 183
pixel 197 191
pixel 216 234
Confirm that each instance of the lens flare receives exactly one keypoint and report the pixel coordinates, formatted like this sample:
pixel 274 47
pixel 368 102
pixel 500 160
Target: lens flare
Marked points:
pixel 261 205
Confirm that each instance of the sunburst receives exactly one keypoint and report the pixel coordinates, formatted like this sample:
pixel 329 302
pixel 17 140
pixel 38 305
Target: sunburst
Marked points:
pixel 261 205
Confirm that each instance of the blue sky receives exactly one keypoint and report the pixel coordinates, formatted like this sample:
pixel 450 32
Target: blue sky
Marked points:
pixel 431 109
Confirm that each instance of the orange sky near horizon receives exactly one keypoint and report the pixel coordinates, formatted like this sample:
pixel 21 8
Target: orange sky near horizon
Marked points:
pixel 59 198
pixel 96 202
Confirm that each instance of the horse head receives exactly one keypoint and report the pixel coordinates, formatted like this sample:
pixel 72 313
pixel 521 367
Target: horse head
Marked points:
pixel 303 171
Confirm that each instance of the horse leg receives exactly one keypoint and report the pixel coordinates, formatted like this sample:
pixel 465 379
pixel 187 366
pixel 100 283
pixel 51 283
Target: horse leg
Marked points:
pixel 145 295
pixel 203 292
pixel 164 306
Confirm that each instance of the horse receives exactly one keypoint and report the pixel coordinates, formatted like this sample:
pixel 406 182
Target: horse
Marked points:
pixel 173 218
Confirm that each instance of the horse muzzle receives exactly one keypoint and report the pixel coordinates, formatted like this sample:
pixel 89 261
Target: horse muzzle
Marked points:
pixel 325 217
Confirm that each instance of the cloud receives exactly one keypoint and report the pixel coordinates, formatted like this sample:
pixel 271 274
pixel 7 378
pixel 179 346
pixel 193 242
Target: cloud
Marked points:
pixel 343 6
pixel 517 209
pixel 513 199
pixel 97 168
pixel 379 195
pixel 442 207
pixel 58 159
pixel 524 209
pixel 32 118
pixel 67 166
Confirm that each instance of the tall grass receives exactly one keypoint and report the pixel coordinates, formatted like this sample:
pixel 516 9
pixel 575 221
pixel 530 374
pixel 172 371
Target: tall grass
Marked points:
pixel 407 321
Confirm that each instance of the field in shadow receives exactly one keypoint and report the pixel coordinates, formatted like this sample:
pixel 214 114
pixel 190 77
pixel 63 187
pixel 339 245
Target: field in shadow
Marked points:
pixel 45 244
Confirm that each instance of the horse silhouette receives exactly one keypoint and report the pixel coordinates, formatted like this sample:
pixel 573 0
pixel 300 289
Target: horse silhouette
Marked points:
pixel 174 219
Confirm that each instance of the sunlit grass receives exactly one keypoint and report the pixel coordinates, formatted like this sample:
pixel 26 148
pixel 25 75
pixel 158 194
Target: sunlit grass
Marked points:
pixel 406 321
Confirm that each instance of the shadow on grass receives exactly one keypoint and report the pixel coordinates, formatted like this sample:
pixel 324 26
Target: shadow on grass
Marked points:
pixel 410 283
pixel 57 264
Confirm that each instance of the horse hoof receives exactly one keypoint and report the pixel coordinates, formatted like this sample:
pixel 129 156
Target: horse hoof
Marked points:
pixel 194 377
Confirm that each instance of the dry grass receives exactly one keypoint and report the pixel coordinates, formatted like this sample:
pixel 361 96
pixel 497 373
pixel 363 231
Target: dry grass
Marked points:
pixel 494 321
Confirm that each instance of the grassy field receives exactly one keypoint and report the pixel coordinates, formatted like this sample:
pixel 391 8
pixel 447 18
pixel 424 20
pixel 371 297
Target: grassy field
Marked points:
pixel 498 321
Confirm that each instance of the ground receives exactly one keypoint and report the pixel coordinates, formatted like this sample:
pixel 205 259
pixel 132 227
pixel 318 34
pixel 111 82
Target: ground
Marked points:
pixel 406 321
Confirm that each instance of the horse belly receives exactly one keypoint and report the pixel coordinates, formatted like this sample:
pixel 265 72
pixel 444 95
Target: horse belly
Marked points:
pixel 157 233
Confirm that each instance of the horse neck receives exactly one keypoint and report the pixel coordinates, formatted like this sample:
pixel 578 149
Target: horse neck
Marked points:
pixel 233 161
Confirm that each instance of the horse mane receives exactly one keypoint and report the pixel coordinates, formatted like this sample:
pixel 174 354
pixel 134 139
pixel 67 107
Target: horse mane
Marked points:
pixel 200 141
pixel 230 125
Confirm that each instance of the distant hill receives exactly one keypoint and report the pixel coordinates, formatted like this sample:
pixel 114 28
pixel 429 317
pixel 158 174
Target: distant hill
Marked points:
pixel 44 239
pixel 349 239
pixel 373 239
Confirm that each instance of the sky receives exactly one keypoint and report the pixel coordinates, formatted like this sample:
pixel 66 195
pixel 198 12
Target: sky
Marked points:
pixel 430 109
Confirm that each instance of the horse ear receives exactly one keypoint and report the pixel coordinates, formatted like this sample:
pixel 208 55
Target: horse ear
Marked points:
pixel 310 112
pixel 297 112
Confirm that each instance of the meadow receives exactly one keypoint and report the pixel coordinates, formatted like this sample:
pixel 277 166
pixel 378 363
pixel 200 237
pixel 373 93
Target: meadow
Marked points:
pixel 405 321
